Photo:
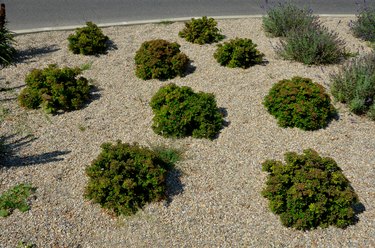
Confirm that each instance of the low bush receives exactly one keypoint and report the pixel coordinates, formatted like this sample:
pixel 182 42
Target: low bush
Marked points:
pixel 7 50
pixel 201 31
pixel 313 45
pixel 88 40
pixel 180 112
pixel 160 59
pixel 15 198
pixel 125 177
pixel 309 191
pixel 298 102
pixel 55 89
pixel 363 26
pixel 286 16
pixel 354 84
pixel 238 53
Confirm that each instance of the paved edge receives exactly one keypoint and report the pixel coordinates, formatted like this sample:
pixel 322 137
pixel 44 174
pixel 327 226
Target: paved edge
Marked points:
pixel 129 23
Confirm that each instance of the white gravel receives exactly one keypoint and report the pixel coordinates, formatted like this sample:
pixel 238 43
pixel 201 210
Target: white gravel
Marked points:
pixel 217 200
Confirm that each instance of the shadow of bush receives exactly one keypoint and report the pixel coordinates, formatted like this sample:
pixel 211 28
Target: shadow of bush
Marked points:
pixel 10 146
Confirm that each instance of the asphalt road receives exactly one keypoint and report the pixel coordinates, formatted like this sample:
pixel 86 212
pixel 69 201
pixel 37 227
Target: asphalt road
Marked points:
pixel 27 14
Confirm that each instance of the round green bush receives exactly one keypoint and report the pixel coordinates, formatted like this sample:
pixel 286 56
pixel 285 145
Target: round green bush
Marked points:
pixel 298 102
pixel 124 177
pixel 180 112
pixel 88 40
pixel 309 191
pixel 55 89
pixel 238 53
pixel 201 31
pixel 160 59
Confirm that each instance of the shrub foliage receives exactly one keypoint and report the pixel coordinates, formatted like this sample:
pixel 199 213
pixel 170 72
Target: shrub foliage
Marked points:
pixel 15 198
pixel 180 112
pixel 124 177
pixel 160 59
pixel 88 40
pixel 201 31
pixel 7 51
pixel 55 89
pixel 313 45
pixel 309 191
pixel 285 16
pixel 238 53
pixel 363 26
pixel 298 102
pixel 354 84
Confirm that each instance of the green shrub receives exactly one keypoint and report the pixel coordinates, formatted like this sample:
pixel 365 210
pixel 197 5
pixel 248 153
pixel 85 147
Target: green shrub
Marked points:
pixel 201 31
pixel 23 244
pixel 298 102
pixel 7 51
pixel 313 45
pixel 309 191
pixel 286 16
pixel 15 198
pixel 55 89
pixel 124 177
pixel 160 59
pixel 88 40
pixel 238 53
pixel 180 112
pixel 363 26
pixel 354 84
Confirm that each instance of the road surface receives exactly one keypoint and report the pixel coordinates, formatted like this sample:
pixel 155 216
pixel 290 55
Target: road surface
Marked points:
pixel 28 14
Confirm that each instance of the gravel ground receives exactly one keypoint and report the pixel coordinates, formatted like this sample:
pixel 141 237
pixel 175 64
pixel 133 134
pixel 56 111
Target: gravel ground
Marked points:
pixel 215 198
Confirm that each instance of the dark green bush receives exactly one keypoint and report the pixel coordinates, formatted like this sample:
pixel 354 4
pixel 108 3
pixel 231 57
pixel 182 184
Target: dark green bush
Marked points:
pixel 354 84
pixel 55 89
pixel 7 51
pixel 238 53
pixel 313 45
pixel 15 198
pixel 286 16
pixel 201 31
pixel 298 102
pixel 363 26
pixel 88 40
pixel 160 59
pixel 309 191
pixel 124 177
pixel 180 112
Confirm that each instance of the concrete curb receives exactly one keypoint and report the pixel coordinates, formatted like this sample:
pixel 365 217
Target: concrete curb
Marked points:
pixel 129 23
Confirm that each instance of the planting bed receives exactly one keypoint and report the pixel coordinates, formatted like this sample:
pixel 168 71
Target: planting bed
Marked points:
pixel 214 199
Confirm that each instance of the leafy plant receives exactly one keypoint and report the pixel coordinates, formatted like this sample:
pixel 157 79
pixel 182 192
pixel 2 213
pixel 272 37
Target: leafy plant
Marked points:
pixel 238 53
pixel 201 31
pixel 298 102
pixel 286 16
pixel 313 45
pixel 354 84
pixel 15 198
pixel 88 40
pixel 363 26
pixel 7 51
pixel 309 191
pixel 23 244
pixel 124 177
pixel 160 59
pixel 180 112
pixel 55 89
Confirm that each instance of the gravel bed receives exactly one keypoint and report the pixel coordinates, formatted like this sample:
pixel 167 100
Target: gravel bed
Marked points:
pixel 215 198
